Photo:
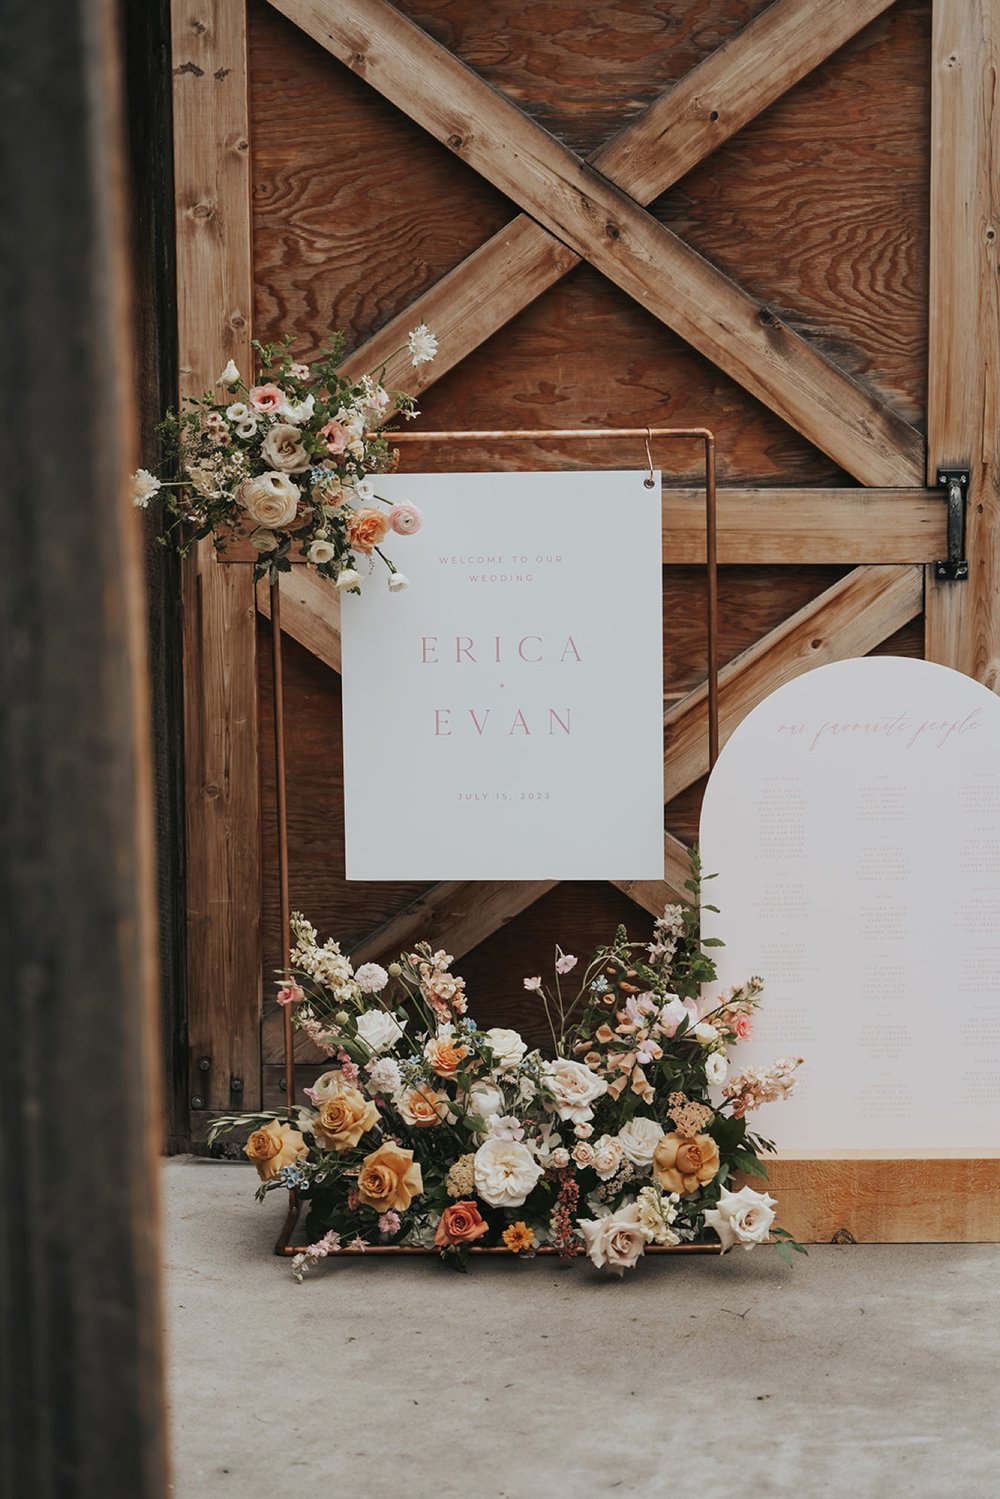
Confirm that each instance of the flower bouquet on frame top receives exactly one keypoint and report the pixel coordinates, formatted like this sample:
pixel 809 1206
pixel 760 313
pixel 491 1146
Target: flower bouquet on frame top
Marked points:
pixel 430 1131
pixel 290 461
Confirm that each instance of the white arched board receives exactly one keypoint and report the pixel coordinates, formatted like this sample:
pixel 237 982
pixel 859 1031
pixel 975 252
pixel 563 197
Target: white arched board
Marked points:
pixel 854 821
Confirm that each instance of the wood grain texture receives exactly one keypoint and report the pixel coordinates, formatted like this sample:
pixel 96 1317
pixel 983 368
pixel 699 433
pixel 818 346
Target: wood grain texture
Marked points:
pixel 879 1201
pixel 848 620
pixel 214 278
pixel 310 613
pixel 776 527
pixel 689 120
pixel 963 619
pixel 751 342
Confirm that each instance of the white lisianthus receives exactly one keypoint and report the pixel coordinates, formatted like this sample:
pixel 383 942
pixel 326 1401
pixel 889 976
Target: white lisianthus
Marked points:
pixel 608 1155
pixel 639 1139
pixel 347 578
pixel 422 344
pixel 507 1047
pixel 505 1173
pixel 705 1033
pixel 264 541
pixel 379 1030
pixel 297 411
pixel 271 499
pixel 398 581
pixel 486 1100
pixel 371 978
pixel 247 428
pixel 320 552
pixel 364 489
pixel 572 1089
pixel 230 375
pixel 716 1067
pixel 282 449
pixel 144 486
pixel 742 1217
pixel 239 411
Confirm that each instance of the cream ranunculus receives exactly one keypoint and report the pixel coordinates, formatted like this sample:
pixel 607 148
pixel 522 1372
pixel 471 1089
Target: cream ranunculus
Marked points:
pixel 270 500
pixel 327 1085
pixel 639 1138
pixel 616 1241
pixel 742 1217
pixel 505 1173
pixel 379 1030
pixel 282 449
pixel 507 1047
pixel 572 1089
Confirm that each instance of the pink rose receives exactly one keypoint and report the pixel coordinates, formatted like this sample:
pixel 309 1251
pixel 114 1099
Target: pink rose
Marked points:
pixel 335 436
pixel 266 397
pixel 616 1241
pixel 405 519
pixel 742 1027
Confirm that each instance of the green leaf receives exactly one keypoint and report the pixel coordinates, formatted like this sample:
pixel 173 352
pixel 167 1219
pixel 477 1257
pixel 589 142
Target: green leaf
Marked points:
pixel 785 1251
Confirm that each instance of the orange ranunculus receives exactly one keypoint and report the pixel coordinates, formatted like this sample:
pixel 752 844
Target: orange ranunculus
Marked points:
pixel 461 1223
pixel 389 1179
pixel 343 1119
pixel 682 1163
pixel 445 1057
pixel 366 528
pixel 274 1146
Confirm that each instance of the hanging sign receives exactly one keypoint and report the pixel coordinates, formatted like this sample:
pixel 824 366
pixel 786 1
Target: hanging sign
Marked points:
pixel 854 821
pixel 503 716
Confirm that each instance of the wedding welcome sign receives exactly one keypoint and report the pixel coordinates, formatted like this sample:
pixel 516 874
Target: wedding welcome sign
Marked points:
pixel 854 821
pixel 503 715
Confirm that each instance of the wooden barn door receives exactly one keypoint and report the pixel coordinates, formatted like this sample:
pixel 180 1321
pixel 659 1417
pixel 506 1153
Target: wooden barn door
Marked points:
pixel 778 221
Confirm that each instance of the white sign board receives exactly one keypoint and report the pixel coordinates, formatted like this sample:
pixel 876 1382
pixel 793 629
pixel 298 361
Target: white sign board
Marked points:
pixel 503 716
pixel 854 821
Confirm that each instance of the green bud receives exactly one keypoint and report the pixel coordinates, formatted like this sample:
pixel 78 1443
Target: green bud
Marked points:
pixel 395 970
pixel 341 1018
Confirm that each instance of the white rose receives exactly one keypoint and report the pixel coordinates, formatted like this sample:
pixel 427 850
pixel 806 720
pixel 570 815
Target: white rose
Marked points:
pixel 325 1087
pixel 485 1100
pixel 320 552
pixel 742 1217
pixel 507 1047
pixel 264 541
pixel 608 1156
pixel 379 1030
pixel 716 1067
pixel 348 578
pixel 572 1088
pixel 505 1173
pixel 639 1138
pixel 297 411
pixel 615 1241
pixel 272 500
pixel 230 375
pixel 705 1033
pixel 364 489
pixel 560 1158
pixel 282 449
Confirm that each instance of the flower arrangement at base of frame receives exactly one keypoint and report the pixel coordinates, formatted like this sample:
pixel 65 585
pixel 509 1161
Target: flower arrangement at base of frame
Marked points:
pixel 431 1132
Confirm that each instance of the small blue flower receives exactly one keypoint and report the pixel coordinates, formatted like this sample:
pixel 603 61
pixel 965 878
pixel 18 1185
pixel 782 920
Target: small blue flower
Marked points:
pixel 469 1025
pixel 599 985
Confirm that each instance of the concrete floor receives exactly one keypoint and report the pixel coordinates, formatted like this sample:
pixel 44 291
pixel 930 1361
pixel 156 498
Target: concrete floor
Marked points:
pixel 863 1371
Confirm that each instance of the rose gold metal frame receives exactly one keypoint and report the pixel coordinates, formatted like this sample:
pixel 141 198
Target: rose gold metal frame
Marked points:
pixel 284 1246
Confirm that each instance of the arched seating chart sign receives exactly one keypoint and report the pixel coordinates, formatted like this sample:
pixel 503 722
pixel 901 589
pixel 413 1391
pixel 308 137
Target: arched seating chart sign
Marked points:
pixel 854 820
pixel 503 715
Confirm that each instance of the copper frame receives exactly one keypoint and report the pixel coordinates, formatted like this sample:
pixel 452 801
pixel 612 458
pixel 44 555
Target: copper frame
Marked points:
pixel 284 1245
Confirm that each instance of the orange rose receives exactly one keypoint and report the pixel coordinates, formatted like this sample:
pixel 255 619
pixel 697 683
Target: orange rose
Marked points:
pixel 274 1146
pixel 422 1107
pixel 366 528
pixel 460 1224
pixel 445 1057
pixel 389 1179
pixel 682 1163
pixel 343 1119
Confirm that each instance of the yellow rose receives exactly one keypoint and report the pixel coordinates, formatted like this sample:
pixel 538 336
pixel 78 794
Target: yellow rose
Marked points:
pixel 389 1179
pixel 682 1163
pixel 274 1146
pixel 343 1119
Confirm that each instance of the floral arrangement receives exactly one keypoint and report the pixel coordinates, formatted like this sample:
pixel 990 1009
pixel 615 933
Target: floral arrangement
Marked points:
pixel 289 460
pixel 430 1131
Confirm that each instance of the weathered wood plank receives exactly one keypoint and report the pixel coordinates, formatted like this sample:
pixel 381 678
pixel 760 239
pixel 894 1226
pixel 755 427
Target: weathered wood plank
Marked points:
pixel 460 914
pixel 791 527
pixel 744 337
pixel 214 296
pixel 684 124
pixel 310 612
pixel 963 619
pixel 849 619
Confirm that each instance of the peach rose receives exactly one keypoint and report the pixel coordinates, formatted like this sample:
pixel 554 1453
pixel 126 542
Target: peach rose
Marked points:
pixel 389 1179
pixel 444 1056
pixel 422 1107
pixel 366 528
pixel 461 1223
pixel 683 1164
pixel 343 1119
pixel 274 1146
